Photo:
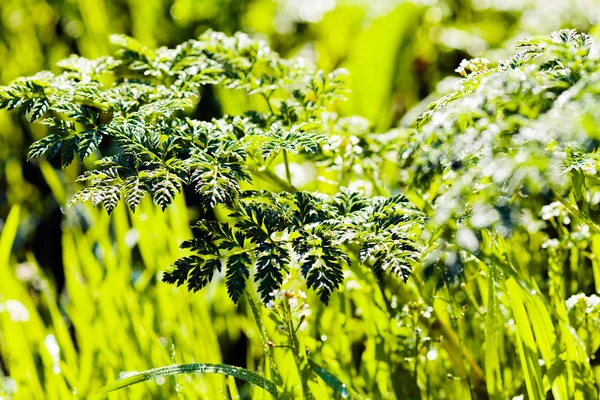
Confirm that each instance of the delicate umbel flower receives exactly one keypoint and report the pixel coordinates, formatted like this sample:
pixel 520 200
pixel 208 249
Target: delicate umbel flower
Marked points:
pixel 573 300
pixel 271 305
pixel 298 308
pixel 584 316
pixel 581 233
pixel 473 66
pixel 552 210
pixel 591 303
pixel 551 244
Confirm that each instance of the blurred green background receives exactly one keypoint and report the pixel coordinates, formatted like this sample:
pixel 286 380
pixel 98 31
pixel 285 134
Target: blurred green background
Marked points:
pixel 79 307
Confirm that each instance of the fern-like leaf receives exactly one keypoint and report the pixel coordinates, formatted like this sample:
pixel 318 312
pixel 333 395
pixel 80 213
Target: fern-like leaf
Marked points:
pixel 238 266
pixel 46 147
pixel 164 189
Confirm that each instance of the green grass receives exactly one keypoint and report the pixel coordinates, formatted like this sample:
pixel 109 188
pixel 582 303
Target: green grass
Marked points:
pixel 119 319
pixel 114 319
pixel 383 340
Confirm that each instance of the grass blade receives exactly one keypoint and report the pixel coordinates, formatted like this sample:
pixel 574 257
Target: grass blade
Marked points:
pixel 8 234
pixel 526 345
pixel 330 379
pixel 546 340
pixel 229 370
pixel 493 324
pixel 271 365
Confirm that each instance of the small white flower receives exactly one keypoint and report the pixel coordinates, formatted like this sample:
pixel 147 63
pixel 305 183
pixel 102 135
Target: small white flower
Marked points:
pixel 551 244
pixel 427 312
pixel 592 303
pixel 552 210
pixel 573 300
pixel 16 310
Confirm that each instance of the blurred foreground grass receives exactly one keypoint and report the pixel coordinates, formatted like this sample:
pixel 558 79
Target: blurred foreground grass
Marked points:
pixel 112 317
pixel 384 340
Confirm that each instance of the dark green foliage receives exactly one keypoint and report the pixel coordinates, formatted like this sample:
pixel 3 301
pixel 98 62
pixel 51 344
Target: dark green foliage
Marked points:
pixel 316 231
pixel 27 97
pixel 500 144
pixel 47 147
pixel 294 141
pixel 139 99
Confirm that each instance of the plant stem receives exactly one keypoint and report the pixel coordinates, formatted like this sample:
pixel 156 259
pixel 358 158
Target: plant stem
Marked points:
pixel 301 362
pixel 577 213
pixel 288 176
pixel 281 183
pixel 268 100
pixel 263 171
pixel 451 342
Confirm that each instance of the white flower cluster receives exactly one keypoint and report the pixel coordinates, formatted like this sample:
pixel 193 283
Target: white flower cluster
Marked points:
pixel 416 307
pixel 591 303
pixel 580 303
pixel 551 244
pixel 283 295
pixel 581 234
pixel 473 66
pixel 553 210
pixel 298 308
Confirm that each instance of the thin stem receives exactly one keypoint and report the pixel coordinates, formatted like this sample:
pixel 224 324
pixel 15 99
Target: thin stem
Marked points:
pixel 440 327
pixel 269 162
pixel 91 103
pixel 264 172
pixel 300 360
pixel 268 100
pixel 282 346
pixel 285 156
pixel 281 183
pixel 576 212
pixel 288 176
pixel 417 351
